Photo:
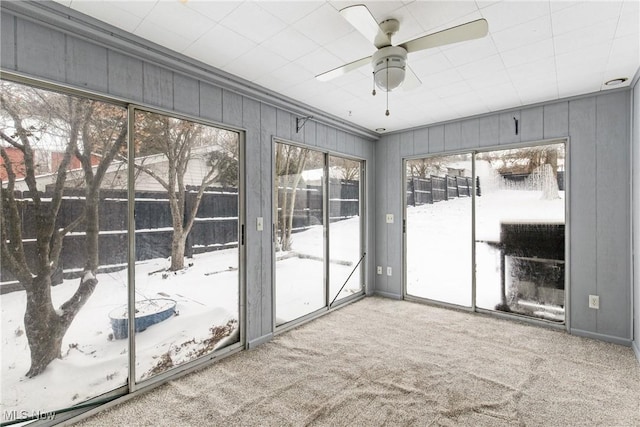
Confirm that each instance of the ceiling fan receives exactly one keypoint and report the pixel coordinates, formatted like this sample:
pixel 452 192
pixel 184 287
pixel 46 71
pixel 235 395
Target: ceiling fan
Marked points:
pixel 389 63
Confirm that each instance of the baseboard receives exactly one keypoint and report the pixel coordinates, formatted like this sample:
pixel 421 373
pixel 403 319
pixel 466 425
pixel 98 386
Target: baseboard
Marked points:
pixel 387 295
pixel 601 337
pixel 260 340
pixel 636 349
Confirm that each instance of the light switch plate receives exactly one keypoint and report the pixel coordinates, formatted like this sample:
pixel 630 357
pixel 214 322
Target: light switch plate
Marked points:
pixel 260 223
pixel 389 218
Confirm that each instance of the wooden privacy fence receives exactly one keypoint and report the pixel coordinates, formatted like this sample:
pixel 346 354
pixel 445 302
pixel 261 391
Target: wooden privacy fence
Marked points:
pixel 433 189
pixel 215 227
pixel 344 202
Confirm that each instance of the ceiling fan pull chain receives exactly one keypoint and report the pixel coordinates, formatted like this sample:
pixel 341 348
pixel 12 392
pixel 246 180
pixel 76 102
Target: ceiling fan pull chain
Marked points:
pixel 387 113
pixel 373 92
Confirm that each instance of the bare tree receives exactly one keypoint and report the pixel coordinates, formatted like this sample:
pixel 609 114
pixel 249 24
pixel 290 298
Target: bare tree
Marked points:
pixel 180 143
pixel 348 170
pixel 538 160
pixel 87 128
pixel 290 162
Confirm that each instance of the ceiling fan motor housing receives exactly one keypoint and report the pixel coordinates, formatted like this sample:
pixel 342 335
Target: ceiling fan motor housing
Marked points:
pixel 389 67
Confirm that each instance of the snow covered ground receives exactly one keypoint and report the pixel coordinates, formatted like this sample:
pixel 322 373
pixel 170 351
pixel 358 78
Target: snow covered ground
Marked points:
pixel 93 362
pixel 207 296
pixel 439 243
pixel 300 272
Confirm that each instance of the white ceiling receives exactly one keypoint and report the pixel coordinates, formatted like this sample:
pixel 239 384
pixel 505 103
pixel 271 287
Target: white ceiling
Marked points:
pixel 535 51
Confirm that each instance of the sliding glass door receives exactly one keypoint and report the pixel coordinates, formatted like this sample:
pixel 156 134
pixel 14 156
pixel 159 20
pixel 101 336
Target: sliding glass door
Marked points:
pixel 186 236
pixel 300 219
pixel 497 236
pixel 438 226
pixel 345 228
pixel 318 230
pixel 520 231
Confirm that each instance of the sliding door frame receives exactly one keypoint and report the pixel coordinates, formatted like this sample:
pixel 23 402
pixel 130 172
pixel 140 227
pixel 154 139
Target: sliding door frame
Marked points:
pixel 277 329
pixel 197 363
pixel 566 324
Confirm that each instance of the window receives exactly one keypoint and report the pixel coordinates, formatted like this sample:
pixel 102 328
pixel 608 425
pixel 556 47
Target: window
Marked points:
pixel 315 195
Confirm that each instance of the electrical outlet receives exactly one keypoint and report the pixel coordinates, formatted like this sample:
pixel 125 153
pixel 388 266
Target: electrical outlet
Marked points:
pixel 259 224
pixel 379 269
pixel 389 218
pixel 594 301
pixel 388 271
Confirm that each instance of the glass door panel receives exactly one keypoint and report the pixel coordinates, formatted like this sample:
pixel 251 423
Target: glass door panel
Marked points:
pixel 63 264
pixel 345 228
pixel 187 253
pixel 299 218
pixel 520 231
pixel 438 228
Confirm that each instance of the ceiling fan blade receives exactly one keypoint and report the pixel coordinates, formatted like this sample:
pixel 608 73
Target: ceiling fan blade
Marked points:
pixel 411 80
pixel 363 21
pixel 344 69
pixel 469 31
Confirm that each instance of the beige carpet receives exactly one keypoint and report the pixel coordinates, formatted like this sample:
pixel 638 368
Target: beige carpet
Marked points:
pixel 385 362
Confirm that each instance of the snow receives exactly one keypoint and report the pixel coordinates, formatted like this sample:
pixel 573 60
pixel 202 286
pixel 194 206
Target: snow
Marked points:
pixel 299 274
pixel 439 265
pixel 206 294
pixel 93 362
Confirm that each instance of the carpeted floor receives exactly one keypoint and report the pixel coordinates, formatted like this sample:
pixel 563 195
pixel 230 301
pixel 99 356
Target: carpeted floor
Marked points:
pixel 385 362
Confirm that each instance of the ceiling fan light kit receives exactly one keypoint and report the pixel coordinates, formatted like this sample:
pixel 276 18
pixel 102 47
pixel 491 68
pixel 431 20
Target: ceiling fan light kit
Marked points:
pixel 389 63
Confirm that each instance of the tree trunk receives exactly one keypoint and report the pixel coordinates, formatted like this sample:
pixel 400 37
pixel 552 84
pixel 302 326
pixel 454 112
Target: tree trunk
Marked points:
pixel 178 243
pixel 43 327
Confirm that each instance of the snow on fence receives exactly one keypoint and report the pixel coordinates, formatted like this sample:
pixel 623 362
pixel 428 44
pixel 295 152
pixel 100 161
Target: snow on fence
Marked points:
pixel 434 189
pixel 215 227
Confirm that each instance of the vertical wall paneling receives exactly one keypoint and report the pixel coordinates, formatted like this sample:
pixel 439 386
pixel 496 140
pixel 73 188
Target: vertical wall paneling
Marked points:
pixel 635 143
pixel 231 108
pixel 381 172
pixel 267 130
pixel 582 212
pixel 283 124
pixel 186 95
pixel 253 189
pixel 297 135
pixel 86 65
pixel 322 133
pixel 41 50
pixel 489 131
pixel 556 120
pixel 157 86
pixel 452 136
pixel 125 76
pixel 406 144
pixel 421 141
pixel 349 146
pixel 531 124
pixel 210 102
pixel 508 127
pixel 341 142
pixel 369 152
pixel 613 213
pixel 310 133
pixel 599 212
pixel 331 142
pixel 469 134
pixel 394 206
pixel 7 42
pixel 436 139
